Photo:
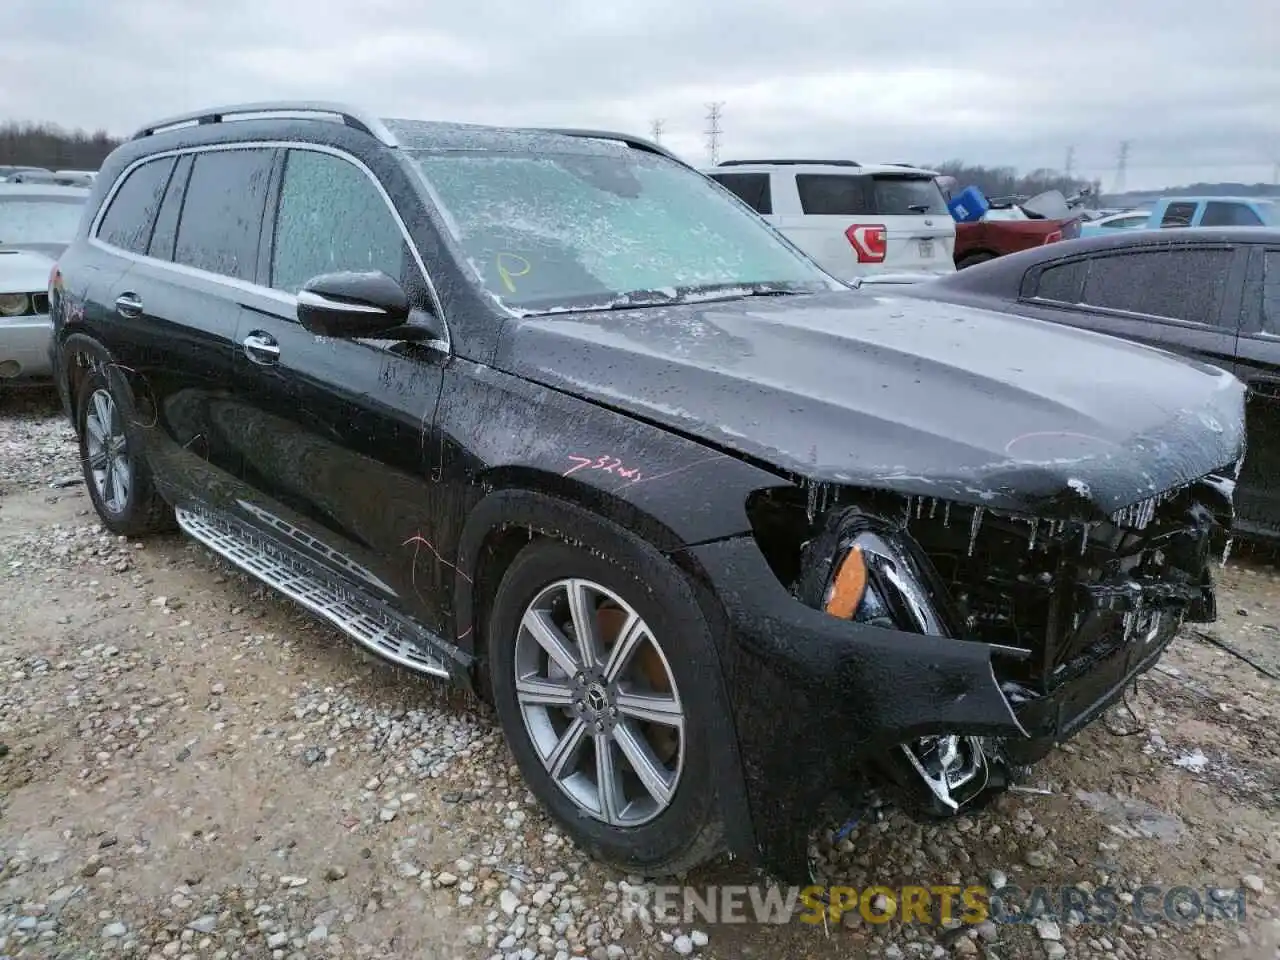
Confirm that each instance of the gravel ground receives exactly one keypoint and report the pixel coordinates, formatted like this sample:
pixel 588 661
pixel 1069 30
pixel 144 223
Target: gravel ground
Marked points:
pixel 192 768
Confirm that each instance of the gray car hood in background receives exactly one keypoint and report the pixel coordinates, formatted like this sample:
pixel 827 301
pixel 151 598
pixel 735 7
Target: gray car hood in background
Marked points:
pixel 24 271
pixel 918 397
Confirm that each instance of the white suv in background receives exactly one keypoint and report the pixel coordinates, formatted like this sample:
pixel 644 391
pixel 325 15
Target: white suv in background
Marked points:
pixel 856 220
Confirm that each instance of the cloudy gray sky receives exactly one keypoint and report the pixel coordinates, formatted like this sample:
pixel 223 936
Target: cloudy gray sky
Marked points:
pixel 1194 85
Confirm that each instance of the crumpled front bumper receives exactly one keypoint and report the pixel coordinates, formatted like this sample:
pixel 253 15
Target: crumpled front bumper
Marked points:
pixel 813 697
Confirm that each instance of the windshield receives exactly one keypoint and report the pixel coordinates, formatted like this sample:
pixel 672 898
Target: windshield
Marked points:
pixel 38 220
pixel 547 232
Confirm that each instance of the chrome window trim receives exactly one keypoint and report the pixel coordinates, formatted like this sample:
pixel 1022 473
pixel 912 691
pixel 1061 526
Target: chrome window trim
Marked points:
pixel 445 346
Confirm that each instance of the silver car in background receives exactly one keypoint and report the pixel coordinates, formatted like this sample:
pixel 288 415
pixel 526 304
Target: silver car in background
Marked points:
pixel 37 221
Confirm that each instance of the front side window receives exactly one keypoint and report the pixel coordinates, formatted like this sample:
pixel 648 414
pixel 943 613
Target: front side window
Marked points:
pixel 222 212
pixel 1271 292
pixel 128 220
pixel 548 231
pixel 751 188
pixel 1182 284
pixel 331 218
pixel 38 220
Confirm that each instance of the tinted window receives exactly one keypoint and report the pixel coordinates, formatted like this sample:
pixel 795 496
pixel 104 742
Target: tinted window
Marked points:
pixel 1219 214
pixel 1181 284
pixel 128 221
pixel 881 194
pixel 222 214
pixel 1127 223
pixel 826 194
pixel 166 228
pixel 605 227
pixel 1271 292
pixel 1178 215
pixel 1060 283
pixel 894 195
pixel 751 188
pixel 331 217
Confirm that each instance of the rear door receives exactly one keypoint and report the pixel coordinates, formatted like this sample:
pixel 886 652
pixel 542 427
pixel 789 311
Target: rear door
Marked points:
pixel 334 432
pixel 1258 498
pixel 861 223
pixel 181 304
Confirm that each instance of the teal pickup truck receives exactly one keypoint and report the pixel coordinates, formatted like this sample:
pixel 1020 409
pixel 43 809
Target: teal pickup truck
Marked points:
pixel 1215 212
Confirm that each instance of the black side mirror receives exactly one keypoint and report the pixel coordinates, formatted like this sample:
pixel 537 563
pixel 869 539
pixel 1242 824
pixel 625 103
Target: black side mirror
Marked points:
pixel 352 305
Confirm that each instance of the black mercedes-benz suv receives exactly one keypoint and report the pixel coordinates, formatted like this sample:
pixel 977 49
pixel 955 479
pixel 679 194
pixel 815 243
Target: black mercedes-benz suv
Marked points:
pixel 551 415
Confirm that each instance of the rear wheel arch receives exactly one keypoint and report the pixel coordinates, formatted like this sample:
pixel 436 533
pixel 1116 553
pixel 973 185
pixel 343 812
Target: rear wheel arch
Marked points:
pixel 79 353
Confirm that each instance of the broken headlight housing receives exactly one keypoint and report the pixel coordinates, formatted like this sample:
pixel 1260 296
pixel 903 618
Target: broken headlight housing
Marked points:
pixel 867 571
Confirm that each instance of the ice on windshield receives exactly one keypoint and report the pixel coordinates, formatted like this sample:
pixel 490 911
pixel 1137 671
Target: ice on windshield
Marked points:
pixel 25 220
pixel 554 230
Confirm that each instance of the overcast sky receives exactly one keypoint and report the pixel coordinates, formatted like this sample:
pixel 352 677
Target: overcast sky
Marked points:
pixel 1194 85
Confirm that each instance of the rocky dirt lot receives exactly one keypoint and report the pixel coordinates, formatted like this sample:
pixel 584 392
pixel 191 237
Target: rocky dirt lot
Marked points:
pixel 192 768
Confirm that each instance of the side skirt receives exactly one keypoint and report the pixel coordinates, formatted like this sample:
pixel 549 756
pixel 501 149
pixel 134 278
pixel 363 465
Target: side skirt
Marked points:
pixel 366 621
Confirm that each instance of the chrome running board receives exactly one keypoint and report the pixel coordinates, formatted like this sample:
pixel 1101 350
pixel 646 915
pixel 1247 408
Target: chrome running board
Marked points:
pixel 257 555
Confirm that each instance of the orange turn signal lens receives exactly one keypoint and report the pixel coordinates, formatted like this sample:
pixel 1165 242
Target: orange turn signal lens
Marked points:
pixel 849 585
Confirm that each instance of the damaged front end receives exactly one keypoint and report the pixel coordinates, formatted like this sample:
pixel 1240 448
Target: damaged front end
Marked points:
pixel 1068 611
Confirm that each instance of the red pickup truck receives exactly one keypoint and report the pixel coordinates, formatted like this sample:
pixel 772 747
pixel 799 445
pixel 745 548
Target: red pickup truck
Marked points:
pixel 1032 225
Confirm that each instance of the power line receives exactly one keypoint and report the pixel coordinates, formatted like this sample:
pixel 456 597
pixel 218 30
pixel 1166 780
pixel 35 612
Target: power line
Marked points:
pixel 714 114
pixel 1069 166
pixel 656 128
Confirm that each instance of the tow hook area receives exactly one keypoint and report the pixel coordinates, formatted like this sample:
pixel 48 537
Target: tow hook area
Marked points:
pixel 954 768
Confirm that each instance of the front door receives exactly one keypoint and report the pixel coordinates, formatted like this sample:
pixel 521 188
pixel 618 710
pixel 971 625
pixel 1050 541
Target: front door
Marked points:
pixel 335 432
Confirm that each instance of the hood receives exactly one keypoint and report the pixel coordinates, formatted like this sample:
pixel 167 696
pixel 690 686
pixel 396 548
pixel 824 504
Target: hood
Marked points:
pixel 925 398
pixel 24 271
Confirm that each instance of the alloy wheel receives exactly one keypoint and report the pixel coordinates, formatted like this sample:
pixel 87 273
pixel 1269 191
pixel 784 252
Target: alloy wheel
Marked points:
pixel 599 702
pixel 107 451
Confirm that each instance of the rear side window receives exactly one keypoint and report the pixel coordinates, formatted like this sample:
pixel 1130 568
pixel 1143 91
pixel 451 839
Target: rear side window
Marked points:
pixel 222 215
pixel 1184 284
pixel 1060 282
pixel 331 218
pixel 1219 214
pixel 751 188
pixel 128 220
pixel 881 194
pixel 833 195
pixel 166 229
pixel 1178 215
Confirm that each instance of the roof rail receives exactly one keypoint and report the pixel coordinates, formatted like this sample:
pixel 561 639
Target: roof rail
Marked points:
pixel 819 163
pixel 636 143
pixel 351 116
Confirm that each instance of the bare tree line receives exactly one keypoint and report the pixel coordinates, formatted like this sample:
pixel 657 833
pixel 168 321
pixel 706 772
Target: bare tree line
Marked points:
pixel 48 145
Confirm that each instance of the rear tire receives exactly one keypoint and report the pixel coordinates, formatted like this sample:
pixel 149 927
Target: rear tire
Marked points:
pixel 115 469
pixel 561 706
pixel 974 259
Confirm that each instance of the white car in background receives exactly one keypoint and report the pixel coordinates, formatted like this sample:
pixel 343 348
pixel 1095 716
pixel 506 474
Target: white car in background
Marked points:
pixel 37 222
pixel 854 219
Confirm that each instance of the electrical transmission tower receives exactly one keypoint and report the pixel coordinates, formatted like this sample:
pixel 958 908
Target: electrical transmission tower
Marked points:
pixel 657 128
pixel 714 113
pixel 1122 162
pixel 1069 166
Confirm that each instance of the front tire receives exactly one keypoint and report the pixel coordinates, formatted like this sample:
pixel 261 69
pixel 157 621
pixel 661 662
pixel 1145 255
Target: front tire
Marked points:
pixel 115 470
pixel 597 680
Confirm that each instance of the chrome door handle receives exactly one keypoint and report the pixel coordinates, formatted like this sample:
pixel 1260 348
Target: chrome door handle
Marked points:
pixel 261 348
pixel 129 305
